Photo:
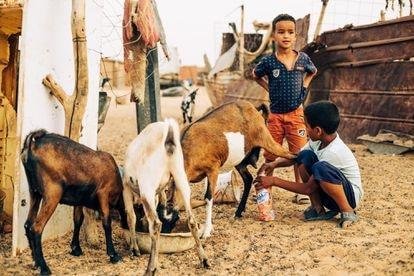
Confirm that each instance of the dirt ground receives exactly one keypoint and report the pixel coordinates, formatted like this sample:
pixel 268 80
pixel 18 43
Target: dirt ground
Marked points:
pixel 382 242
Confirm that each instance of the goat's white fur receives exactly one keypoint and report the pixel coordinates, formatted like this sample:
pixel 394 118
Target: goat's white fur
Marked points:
pixel 236 153
pixel 235 143
pixel 148 168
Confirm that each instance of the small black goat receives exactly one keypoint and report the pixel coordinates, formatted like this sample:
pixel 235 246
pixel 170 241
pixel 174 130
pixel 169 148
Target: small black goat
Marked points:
pixel 60 170
pixel 187 106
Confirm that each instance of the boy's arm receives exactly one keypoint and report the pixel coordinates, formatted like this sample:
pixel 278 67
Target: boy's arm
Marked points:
pixel 259 72
pixel 308 78
pixel 310 70
pixel 278 163
pixel 262 82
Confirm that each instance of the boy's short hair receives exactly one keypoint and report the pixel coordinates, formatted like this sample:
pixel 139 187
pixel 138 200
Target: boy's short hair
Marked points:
pixel 324 114
pixel 282 17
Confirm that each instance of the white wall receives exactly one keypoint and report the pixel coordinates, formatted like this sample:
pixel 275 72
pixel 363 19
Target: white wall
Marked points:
pixel 46 48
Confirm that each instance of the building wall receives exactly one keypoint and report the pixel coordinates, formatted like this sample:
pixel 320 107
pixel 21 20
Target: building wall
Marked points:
pixel 46 48
pixel 114 69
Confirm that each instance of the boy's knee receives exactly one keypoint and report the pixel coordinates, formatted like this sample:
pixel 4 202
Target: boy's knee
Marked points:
pixel 321 170
pixel 307 157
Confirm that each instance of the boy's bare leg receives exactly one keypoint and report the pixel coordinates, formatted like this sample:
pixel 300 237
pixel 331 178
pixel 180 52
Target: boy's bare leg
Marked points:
pixel 316 202
pixel 299 199
pixel 314 197
pixel 336 192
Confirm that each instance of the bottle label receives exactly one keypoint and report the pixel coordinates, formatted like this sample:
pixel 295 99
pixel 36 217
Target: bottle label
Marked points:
pixel 262 196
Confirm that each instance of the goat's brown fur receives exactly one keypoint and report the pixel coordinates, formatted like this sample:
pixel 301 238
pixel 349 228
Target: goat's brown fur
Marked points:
pixel 205 146
pixel 60 170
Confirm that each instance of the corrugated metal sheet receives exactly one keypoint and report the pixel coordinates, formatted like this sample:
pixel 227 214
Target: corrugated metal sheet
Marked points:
pixel 367 72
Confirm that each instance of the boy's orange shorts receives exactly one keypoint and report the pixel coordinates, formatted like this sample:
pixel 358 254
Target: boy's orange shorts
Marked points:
pixel 289 125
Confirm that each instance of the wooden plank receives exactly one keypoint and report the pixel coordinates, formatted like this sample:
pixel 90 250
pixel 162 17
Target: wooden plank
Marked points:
pixel 148 110
pixel 10 20
pixel 401 27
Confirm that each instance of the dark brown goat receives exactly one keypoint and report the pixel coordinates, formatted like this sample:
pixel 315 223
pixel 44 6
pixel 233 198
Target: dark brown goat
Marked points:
pixel 60 170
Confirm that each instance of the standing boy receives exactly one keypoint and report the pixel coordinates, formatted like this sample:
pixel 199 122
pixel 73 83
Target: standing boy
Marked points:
pixel 288 73
pixel 330 172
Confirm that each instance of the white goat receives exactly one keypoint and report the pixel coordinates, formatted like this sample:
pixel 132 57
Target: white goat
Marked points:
pixel 151 159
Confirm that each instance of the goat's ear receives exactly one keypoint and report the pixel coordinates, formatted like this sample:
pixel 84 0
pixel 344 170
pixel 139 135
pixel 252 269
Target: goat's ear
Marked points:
pixel 195 91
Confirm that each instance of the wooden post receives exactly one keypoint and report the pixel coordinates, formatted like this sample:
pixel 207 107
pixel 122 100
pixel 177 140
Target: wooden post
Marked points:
pixel 74 105
pixel 241 45
pixel 321 16
pixel 148 110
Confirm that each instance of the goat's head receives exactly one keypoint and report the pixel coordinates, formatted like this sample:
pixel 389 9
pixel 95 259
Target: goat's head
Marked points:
pixel 168 216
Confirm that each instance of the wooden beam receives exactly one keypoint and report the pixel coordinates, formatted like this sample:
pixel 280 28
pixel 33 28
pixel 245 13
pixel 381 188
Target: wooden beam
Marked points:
pixel 74 105
pixel 148 110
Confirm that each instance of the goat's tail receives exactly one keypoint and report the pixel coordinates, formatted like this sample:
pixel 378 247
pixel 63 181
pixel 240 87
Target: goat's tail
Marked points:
pixel 29 140
pixel 265 111
pixel 172 139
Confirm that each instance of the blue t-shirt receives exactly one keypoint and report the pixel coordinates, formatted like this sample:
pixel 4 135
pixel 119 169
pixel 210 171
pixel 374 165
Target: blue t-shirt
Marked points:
pixel 286 91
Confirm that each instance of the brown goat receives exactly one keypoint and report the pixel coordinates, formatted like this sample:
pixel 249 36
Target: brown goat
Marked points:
pixel 60 170
pixel 228 136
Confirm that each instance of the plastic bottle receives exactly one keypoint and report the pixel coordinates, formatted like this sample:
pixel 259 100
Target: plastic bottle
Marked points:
pixel 264 204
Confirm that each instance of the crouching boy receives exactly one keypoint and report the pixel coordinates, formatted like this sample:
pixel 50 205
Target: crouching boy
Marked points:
pixel 327 167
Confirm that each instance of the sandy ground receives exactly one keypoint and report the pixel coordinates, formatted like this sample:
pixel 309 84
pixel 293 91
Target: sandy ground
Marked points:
pixel 382 242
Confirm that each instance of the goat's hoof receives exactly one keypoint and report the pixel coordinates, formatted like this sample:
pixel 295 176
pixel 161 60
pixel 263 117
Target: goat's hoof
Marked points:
pixel 205 263
pixel 76 251
pixel 150 272
pixel 205 236
pixel 45 271
pixel 238 215
pixel 135 252
pixel 115 258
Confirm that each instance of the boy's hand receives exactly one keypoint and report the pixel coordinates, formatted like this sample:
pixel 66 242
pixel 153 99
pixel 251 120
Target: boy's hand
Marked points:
pixel 263 182
pixel 266 168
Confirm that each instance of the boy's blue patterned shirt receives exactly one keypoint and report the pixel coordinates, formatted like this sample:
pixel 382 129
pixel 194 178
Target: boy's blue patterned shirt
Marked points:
pixel 286 91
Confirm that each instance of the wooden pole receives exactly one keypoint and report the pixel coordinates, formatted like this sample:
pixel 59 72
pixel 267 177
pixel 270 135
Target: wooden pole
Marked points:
pixel 148 110
pixel 74 105
pixel 321 16
pixel 241 44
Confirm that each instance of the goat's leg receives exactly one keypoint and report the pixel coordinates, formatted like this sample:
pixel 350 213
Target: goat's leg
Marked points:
pixel 106 223
pixel 154 226
pixel 183 187
pixel 123 215
pixel 131 218
pixel 247 180
pixel 90 227
pixel 78 217
pixel 34 208
pixel 211 187
pixel 50 201
pixel 184 118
